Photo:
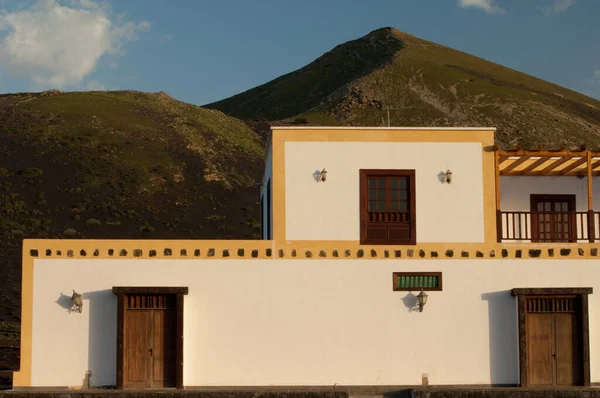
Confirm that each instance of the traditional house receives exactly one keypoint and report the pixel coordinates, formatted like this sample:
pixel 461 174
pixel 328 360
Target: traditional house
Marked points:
pixel 389 256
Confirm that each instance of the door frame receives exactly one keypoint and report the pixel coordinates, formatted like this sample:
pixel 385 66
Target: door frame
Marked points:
pixel 582 294
pixel 121 292
pixel 569 198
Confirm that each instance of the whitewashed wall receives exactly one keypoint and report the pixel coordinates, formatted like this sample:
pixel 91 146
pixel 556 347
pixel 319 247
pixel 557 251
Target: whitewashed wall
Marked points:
pixel 515 194
pixel 303 322
pixel 330 210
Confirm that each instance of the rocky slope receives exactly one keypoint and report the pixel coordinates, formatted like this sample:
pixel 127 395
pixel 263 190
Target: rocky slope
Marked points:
pixel 424 84
pixel 117 165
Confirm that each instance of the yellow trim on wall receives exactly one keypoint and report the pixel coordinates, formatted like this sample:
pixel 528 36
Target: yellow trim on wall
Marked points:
pixel 49 249
pixel 261 250
pixel 22 378
pixel 279 136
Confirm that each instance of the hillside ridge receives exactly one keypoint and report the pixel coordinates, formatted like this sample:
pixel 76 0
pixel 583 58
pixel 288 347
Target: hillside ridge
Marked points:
pixel 117 165
pixel 424 84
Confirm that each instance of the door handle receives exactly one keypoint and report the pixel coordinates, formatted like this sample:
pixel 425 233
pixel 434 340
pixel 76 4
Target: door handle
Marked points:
pixel 554 355
pixel 150 351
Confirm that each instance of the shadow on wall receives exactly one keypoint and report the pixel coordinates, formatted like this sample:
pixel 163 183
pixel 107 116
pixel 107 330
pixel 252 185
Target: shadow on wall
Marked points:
pixel 102 350
pixel 64 301
pixel 410 302
pixel 504 349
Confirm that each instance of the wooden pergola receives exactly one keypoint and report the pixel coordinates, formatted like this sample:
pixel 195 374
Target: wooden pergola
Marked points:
pixel 580 163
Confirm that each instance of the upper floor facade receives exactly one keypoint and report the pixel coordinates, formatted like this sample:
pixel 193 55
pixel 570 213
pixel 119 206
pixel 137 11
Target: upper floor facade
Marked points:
pixel 423 186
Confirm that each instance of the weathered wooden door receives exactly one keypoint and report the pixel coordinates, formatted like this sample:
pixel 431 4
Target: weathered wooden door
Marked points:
pixel 553 342
pixel 149 341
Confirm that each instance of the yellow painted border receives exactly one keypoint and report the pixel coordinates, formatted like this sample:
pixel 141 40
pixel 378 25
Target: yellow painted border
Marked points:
pixel 117 249
pixel 279 136
pixel 261 251
pixel 279 248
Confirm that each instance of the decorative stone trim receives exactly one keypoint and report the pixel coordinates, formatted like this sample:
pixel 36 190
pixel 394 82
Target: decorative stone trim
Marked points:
pixel 261 250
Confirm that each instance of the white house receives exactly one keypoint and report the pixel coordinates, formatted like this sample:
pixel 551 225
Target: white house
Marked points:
pixel 390 256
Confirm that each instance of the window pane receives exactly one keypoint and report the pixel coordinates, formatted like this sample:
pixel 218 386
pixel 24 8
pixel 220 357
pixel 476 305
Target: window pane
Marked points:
pixel 381 195
pixel 380 206
pixel 381 183
pixel 394 195
pixel 403 195
pixel 372 183
pixel 394 206
pixel 372 206
pixel 403 184
pixel 393 183
pixel 403 207
pixel 372 194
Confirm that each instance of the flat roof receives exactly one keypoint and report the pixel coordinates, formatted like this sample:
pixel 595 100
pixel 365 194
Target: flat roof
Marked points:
pixel 381 128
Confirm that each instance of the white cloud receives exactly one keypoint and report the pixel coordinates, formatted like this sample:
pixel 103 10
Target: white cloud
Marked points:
pixel 486 5
pixel 559 6
pixel 56 44
pixel 92 85
pixel 592 85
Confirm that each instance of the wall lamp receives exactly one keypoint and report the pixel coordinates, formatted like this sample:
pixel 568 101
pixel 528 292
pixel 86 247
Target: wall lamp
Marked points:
pixel 77 300
pixel 421 300
pixel 448 177
pixel 323 175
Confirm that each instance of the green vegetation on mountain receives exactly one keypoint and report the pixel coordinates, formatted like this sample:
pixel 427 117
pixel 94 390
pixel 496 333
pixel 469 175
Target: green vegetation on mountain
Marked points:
pixel 424 84
pixel 114 165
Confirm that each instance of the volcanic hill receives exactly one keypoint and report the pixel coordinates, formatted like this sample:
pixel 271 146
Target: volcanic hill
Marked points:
pixel 424 84
pixel 112 165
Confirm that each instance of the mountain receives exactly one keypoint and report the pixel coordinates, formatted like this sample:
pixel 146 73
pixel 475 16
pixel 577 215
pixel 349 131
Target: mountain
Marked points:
pixel 112 165
pixel 424 84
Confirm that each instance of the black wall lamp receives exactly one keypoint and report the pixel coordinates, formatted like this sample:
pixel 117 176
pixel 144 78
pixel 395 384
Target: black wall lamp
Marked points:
pixel 77 300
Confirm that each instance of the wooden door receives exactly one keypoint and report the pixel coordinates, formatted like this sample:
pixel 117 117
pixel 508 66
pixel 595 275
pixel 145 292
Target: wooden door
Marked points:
pixel 163 346
pixel 553 342
pixel 540 347
pixel 568 350
pixel 138 335
pixel 553 218
pixel 149 341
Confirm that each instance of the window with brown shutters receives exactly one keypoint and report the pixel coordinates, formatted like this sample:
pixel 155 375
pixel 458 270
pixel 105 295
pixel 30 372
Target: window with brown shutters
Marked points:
pixel 387 207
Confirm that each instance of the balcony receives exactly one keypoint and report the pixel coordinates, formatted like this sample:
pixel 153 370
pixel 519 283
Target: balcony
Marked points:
pixel 548 226
pixel 546 190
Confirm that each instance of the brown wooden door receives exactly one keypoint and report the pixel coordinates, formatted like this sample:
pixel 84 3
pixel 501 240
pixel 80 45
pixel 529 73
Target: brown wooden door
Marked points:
pixel 553 342
pixel 540 345
pixel 568 350
pixel 163 355
pixel 553 218
pixel 138 335
pixel 149 341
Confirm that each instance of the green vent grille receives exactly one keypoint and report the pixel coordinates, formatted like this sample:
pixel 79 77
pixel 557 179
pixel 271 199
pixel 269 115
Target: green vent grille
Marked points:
pixel 417 281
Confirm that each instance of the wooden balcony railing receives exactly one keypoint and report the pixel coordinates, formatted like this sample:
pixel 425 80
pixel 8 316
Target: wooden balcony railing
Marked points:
pixel 548 227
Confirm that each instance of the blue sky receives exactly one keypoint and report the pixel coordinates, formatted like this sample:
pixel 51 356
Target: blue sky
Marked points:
pixel 201 51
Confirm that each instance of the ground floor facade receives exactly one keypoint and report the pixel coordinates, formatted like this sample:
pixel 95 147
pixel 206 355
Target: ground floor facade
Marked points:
pixel 270 318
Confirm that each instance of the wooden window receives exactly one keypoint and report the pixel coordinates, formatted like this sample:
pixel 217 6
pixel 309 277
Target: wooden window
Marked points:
pixel 387 207
pixel 410 281
pixel 553 218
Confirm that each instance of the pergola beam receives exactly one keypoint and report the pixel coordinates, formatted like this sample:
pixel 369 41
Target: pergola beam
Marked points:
pixel 533 165
pixel 553 165
pixel 575 164
pixel 515 164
